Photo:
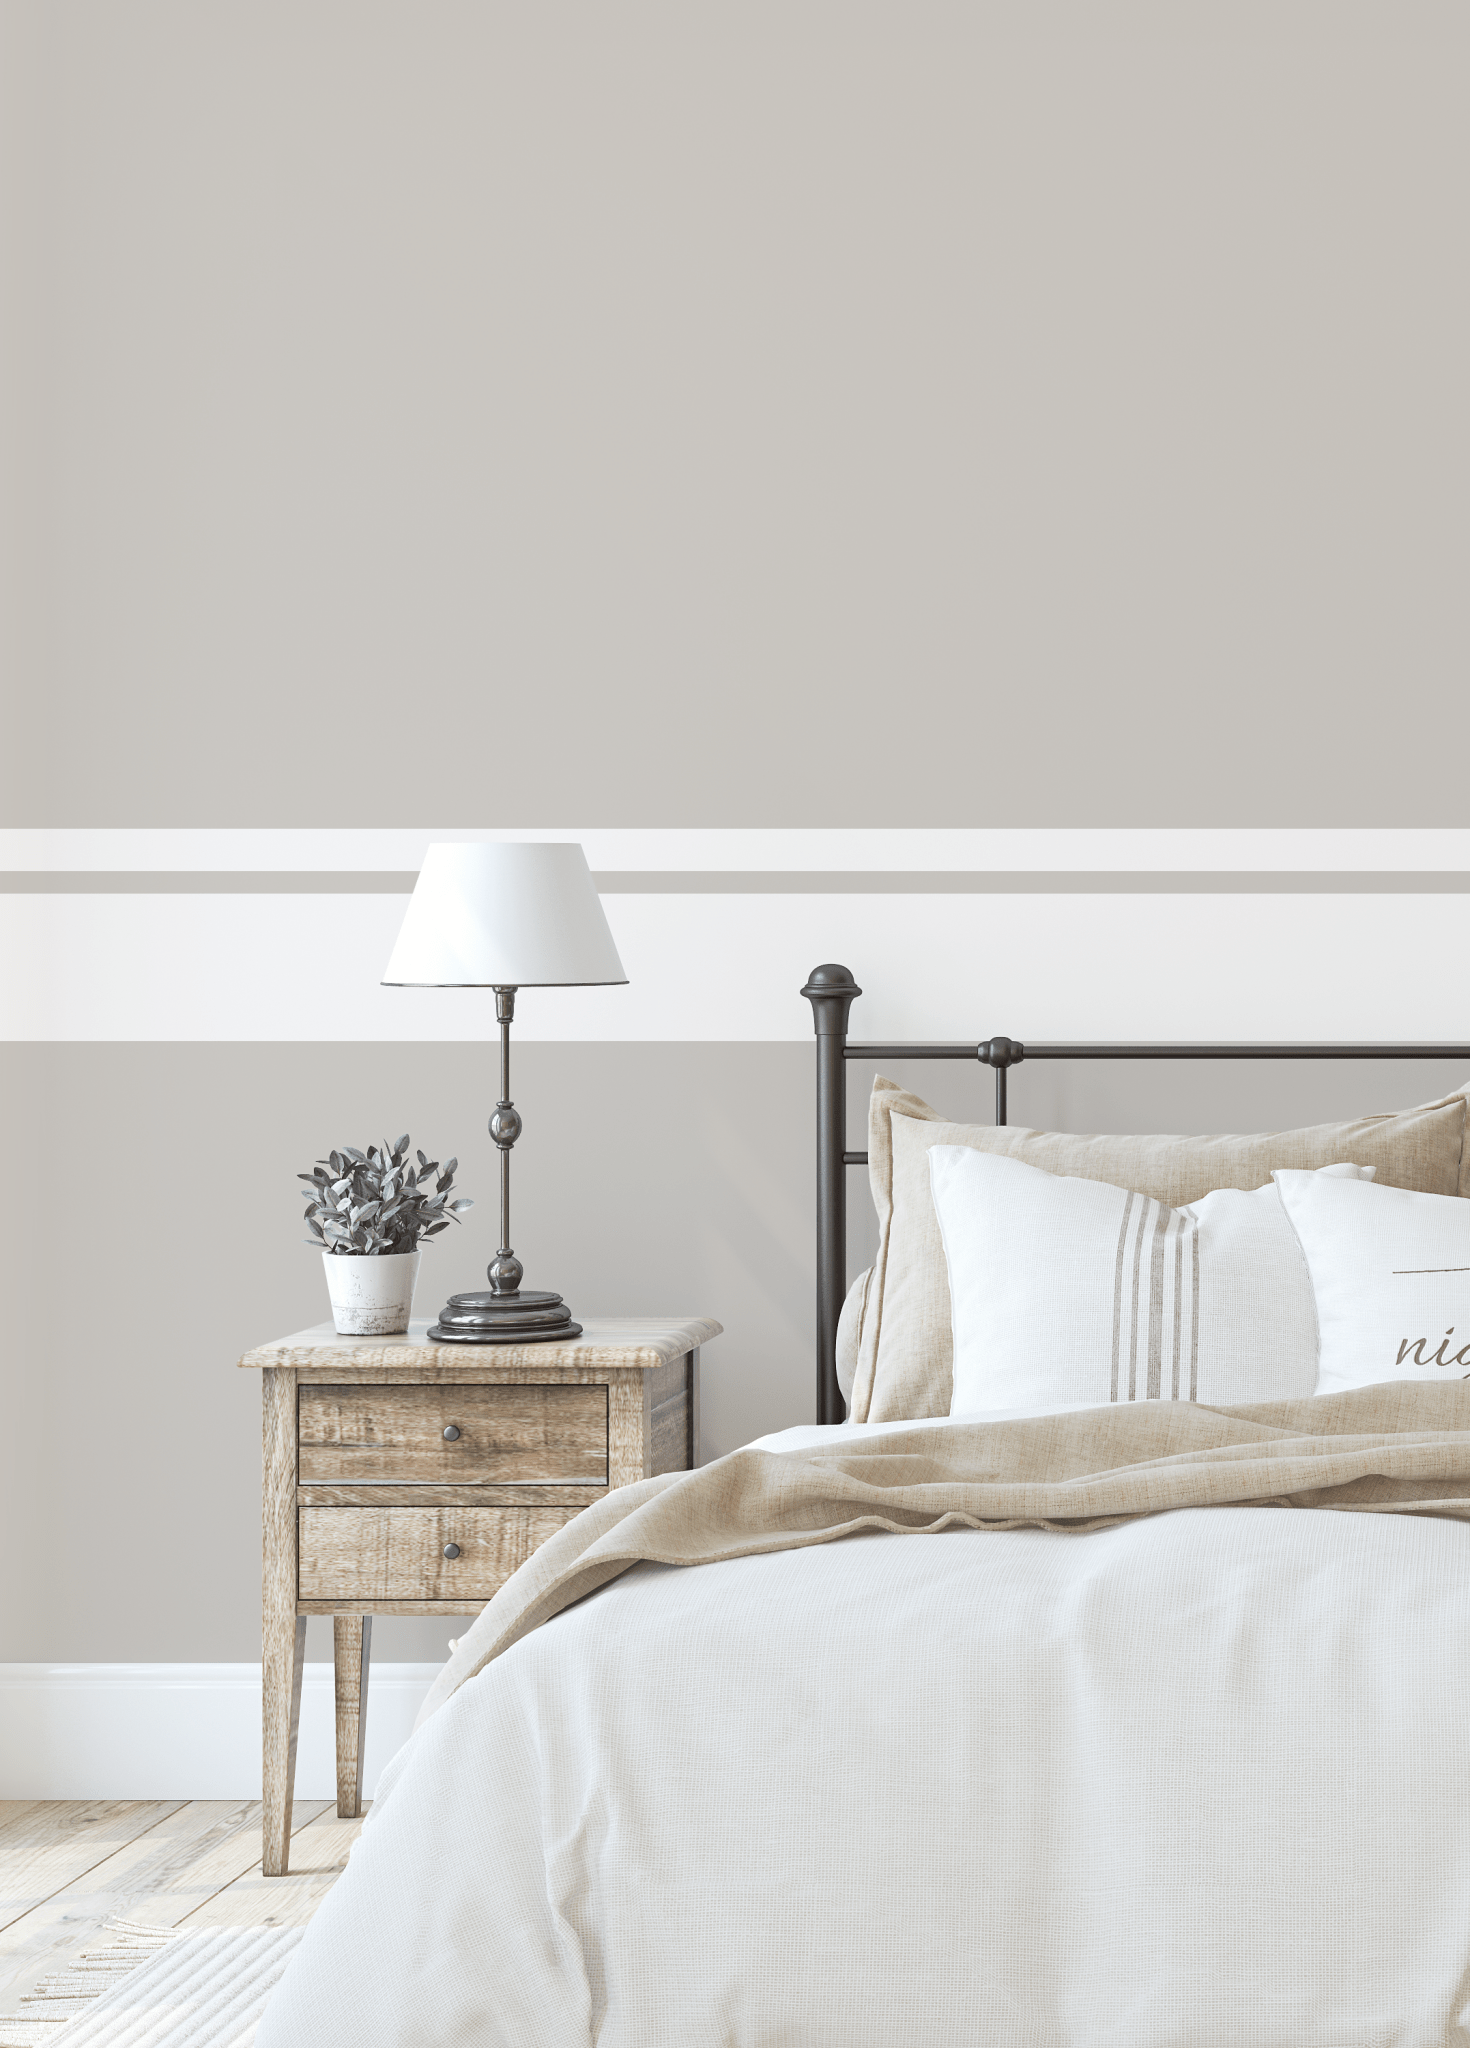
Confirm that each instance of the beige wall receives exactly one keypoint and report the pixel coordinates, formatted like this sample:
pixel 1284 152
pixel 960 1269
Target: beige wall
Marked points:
pixel 793 410
pixel 155 1237
pixel 445 412
pixel 160 1237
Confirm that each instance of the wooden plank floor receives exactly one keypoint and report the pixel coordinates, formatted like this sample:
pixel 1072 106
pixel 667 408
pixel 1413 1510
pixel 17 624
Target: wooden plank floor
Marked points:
pixel 66 1866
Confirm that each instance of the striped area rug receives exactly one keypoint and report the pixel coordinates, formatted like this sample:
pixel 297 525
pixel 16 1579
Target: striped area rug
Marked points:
pixel 153 1987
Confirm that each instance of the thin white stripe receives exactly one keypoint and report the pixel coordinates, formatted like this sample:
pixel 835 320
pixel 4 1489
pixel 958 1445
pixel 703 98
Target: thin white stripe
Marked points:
pixel 870 849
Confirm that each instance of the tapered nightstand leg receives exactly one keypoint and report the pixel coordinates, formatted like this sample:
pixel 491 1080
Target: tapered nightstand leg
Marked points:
pixel 283 1631
pixel 352 1636
pixel 285 1658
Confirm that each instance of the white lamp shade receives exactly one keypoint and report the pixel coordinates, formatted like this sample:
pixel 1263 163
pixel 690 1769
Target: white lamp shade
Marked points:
pixel 501 915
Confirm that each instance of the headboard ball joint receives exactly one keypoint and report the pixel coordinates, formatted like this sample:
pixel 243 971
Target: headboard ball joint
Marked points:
pixel 1001 1053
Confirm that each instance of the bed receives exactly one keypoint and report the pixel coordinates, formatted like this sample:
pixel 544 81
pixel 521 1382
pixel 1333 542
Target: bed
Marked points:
pixel 1155 1740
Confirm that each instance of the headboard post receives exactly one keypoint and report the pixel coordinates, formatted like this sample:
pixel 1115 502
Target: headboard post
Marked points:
pixel 830 990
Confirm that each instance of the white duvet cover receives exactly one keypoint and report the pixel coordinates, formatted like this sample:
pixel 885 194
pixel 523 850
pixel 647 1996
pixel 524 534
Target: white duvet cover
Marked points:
pixel 1198 1781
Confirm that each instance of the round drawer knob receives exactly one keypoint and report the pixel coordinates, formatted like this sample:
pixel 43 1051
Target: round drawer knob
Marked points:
pixel 451 1434
pixel 451 1550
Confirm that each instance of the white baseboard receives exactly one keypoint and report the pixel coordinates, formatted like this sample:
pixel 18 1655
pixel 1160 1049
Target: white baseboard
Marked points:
pixel 180 1731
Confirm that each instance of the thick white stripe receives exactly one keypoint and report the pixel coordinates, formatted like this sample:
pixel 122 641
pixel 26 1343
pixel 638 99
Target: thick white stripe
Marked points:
pixel 730 967
pixel 869 849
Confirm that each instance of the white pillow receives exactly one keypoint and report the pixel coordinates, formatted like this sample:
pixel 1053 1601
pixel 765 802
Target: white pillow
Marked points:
pixel 1391 1273
pixel 850 1331
pixel 1075 1290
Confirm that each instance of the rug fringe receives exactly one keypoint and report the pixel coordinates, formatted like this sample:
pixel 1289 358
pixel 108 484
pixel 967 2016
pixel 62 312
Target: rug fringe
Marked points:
pixel 158 1987
pixel 71 1990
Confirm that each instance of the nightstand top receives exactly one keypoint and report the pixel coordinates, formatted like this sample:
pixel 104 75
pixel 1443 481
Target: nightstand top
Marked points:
pixel 626 1342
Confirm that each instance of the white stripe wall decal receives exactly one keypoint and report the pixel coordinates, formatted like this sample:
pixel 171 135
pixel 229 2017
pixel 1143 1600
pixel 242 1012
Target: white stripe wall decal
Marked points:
pixel 722 850
pixel 729 967
pixel 724 961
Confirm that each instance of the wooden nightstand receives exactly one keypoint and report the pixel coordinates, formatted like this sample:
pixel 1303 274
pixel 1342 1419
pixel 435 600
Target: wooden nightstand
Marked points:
pixel 404 1477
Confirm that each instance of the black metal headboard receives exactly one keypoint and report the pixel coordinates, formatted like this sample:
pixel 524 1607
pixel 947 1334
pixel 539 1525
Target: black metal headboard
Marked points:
pixel 831 990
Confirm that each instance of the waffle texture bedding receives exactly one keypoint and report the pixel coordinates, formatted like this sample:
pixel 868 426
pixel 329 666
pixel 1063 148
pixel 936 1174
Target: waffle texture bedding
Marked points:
pixel 1157 1738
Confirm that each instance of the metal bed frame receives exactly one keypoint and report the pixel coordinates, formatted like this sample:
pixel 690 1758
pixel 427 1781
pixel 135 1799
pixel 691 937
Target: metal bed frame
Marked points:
pixel 831 990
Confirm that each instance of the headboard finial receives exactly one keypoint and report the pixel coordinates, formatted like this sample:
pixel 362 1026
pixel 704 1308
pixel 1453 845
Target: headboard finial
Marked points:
pixel 830 989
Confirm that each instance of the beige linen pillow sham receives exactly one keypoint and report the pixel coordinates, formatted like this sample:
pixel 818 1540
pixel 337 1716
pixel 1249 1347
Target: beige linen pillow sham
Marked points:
pixel 905 1351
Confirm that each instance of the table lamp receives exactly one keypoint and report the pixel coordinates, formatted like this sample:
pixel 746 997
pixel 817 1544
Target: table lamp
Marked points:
pixel 504 916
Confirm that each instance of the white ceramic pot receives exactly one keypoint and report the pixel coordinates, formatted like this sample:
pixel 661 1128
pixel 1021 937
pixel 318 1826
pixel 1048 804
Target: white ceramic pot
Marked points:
pixel 371 1297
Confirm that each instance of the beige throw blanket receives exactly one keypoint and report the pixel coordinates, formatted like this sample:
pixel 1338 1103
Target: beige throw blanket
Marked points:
pixel 1399 1448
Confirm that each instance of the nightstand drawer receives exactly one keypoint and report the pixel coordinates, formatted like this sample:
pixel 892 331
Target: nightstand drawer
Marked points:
pixel 500 1435
pixel 351 1554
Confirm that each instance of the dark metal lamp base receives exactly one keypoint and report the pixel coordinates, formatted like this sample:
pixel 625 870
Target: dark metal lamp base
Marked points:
pixel 525 1317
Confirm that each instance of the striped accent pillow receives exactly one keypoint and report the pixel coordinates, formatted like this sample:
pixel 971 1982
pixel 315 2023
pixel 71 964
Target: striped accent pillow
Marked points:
pixel 1067 1290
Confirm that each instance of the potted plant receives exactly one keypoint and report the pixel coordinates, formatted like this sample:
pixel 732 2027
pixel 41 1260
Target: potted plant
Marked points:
pixel 369 1214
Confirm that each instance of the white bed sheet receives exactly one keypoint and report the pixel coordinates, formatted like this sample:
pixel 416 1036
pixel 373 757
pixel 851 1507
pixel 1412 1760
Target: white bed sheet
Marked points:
pixel 1199 1781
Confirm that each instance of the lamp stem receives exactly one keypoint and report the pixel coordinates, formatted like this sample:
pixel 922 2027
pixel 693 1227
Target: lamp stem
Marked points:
pixel 502 1250
pixel 503 1017
pixel 505 1269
